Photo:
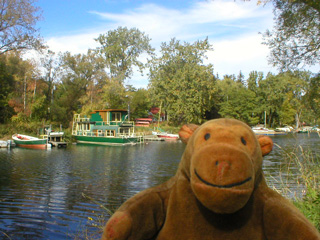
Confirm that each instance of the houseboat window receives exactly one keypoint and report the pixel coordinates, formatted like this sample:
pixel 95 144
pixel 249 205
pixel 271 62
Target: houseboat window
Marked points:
pixel 86 127
pixel 110 133
pixel 124 131
pixel 116 117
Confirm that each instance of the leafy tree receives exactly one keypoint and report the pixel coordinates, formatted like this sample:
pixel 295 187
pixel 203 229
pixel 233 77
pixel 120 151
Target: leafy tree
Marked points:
pixel 237 101
pixel 39 108
pixel 114 95
pixel 66 101
pixel 140 104
pixel 295 40
pixel 51 68
pixel 181 83
pixel 80 85
pixel 24 74
pixel 311 101
pixel 295 90
pixel 253 80
pixel 6 87
pixel 240 78
pixel 281 96
pixel 272 93
pixel 17 25
pixel 121 49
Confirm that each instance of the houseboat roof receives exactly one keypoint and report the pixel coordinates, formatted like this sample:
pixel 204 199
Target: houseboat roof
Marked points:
pixel 109 110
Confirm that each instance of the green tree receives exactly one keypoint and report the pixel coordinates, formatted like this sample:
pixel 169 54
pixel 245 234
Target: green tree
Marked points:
pixel 237 101
pixel 6 88
pixel 24 75
pixel 51 68
pixel 181 83
pixel 281 96
pixel 121 49
pixel 18 20
pixel 295 90
pixel 295 39
pixel 114 95
pixel 253 80
pixel 81 81
pixel 311 101
pixel 272 95
pixel 140 103
pixel 66 101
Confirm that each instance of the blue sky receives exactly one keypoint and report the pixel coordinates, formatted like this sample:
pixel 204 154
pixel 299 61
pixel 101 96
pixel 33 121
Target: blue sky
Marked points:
pixel 232 28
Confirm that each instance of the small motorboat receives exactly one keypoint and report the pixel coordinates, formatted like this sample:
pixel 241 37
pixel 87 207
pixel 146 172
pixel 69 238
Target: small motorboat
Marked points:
pixel 166 135
pixel 25 141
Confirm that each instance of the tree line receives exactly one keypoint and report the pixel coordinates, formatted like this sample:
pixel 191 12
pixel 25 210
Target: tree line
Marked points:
pixel 185 87
pixel 179 81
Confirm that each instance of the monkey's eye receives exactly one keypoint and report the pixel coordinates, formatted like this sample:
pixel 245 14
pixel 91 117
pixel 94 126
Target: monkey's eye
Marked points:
pixel 207 136
pixel 244 142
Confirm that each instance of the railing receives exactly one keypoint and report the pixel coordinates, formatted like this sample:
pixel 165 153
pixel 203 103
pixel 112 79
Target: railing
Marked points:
pixel 95 134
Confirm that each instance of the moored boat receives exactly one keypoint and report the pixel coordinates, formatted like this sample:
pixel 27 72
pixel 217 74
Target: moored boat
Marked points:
pixel 105 127
pixel 166 135
pixel 30 142
pixel 265 131
pixel 3 144
pixel 287 129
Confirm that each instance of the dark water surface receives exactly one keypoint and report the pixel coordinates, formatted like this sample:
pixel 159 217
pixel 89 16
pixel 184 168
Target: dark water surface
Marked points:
pixel 55 194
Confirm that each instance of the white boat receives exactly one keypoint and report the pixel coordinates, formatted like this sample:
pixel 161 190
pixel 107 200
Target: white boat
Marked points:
pixel 30 142
pixel 7 144
pixel 3 144
pixel 265 131
pixel 284 129
pixel 166 135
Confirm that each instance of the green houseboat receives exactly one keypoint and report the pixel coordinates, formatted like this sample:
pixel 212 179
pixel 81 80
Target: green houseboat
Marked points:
pixel 105 127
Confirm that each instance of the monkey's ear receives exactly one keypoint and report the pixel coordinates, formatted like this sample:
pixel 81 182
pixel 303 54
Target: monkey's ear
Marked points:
pixel 186 131
pixel 266 144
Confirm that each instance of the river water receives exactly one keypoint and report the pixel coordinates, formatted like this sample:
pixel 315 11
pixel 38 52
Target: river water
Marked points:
pixel 67 193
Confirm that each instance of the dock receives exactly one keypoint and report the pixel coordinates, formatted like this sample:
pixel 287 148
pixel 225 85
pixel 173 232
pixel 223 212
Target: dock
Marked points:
pixel 7 144
pixel 152 138
pixel 56 139
pixel 58 144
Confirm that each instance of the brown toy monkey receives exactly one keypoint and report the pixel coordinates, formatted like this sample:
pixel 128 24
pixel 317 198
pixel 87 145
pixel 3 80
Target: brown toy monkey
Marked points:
pixel 218 192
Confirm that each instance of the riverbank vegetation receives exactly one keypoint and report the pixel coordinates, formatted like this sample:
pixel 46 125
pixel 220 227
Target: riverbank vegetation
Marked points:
pixel 303 167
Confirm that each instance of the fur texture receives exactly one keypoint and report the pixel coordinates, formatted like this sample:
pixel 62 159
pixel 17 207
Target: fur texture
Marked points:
pixel 219 192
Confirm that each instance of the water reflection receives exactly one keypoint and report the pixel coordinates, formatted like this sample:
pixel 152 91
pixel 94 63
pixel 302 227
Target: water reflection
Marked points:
pixel 56 194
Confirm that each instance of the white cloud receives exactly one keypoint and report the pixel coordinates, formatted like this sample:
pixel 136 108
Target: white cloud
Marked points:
pixel 219 11
pixel 73 43
pixel 244 54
